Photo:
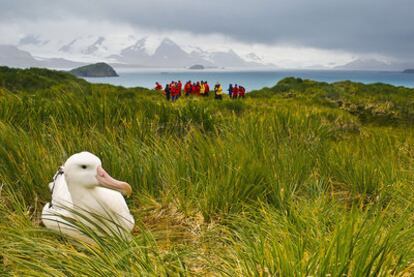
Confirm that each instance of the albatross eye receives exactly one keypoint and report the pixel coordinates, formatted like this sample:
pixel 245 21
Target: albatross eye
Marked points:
pixel 84 166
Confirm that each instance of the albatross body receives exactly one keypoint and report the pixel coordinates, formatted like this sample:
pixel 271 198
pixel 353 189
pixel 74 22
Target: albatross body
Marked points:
pixel 84 194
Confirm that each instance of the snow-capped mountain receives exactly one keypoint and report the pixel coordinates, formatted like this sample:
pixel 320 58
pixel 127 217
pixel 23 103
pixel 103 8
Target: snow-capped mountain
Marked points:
pixel 368 64
pixel 84 48
pixel 32 39
pixel 128 51
pixel 90 46
pixel 97 46
pixel 67 48
pixel 252 57
pixel 135 54
pixel 229 58
pixel 166 54
pixel 12 56
pixel 169 54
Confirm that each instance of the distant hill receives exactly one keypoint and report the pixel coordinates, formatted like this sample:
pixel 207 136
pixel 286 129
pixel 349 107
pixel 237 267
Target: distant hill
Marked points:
pixel 59 63
pixel 95 70
pixel 366 64
pixel 14 57
pixel 197 67
pixel 35 79
pixel 375 103
pixel 409 71
pixel 375 65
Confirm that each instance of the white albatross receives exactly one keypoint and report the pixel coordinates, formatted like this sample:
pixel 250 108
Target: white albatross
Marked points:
pixel 84 194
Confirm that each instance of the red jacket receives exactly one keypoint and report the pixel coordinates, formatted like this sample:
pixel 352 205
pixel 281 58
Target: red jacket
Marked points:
pixel 242 91
pixel 187 88
pixel 207 88
pixel 174 91
pixel 235 91
pixel 158 87
pixel 179 88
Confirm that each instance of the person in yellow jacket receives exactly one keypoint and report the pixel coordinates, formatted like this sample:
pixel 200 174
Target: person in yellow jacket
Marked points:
pixel 218 91
pixel 202 89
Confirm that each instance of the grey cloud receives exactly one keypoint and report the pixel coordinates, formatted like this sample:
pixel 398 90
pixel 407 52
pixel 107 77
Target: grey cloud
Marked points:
pixel 361 26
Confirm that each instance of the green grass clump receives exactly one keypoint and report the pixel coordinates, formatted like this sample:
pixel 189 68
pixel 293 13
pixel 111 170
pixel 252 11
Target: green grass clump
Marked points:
pixel 301 179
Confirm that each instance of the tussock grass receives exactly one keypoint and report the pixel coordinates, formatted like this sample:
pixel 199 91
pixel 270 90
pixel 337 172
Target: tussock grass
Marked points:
pixel 289 182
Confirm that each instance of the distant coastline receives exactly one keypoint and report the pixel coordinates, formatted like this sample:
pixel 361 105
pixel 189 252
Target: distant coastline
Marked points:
pixel 251 79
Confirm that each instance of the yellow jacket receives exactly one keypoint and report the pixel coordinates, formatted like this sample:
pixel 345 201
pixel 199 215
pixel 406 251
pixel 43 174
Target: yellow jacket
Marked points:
pixel 219 90
pixel 202 88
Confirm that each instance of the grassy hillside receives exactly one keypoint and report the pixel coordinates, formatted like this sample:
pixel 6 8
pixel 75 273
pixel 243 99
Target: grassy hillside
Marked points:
pixel 301 179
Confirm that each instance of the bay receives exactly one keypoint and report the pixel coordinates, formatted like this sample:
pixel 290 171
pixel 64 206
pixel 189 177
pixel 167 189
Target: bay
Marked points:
pixel 250 79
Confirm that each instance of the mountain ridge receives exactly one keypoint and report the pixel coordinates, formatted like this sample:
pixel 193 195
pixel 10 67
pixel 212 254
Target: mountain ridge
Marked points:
pixel 170 54
pixel 145 52
pixel 372 64
pixel 12 56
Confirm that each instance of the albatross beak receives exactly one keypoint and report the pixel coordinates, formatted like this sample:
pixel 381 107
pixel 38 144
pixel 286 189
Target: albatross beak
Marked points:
pixel 107 181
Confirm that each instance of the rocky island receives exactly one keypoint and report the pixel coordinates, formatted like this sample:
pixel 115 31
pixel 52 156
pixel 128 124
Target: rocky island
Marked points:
pixel 197 67
pixel 94 70
pixel 408 71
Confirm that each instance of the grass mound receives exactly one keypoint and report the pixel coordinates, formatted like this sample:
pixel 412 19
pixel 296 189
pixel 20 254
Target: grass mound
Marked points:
pixel 293 181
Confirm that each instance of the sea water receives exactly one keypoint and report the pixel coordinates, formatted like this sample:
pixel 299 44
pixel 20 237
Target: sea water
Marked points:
pixel 250 79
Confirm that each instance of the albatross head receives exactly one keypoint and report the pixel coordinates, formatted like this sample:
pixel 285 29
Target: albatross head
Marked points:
pixel 85 170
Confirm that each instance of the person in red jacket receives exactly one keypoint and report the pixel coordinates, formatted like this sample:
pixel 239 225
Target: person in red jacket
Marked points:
pixel 197 90
pixel 179 88
pixel 242 91
pixel 187 88
pixel 206 88
pixel 193 89
pixel 158 86
pixel 235 93
pixel 174 91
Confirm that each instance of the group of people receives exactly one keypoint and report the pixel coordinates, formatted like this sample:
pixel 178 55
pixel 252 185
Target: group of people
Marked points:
pixel 174 90
pixel 236 91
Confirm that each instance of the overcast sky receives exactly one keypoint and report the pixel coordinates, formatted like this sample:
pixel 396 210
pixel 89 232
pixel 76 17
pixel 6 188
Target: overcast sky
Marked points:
pixel 349 28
